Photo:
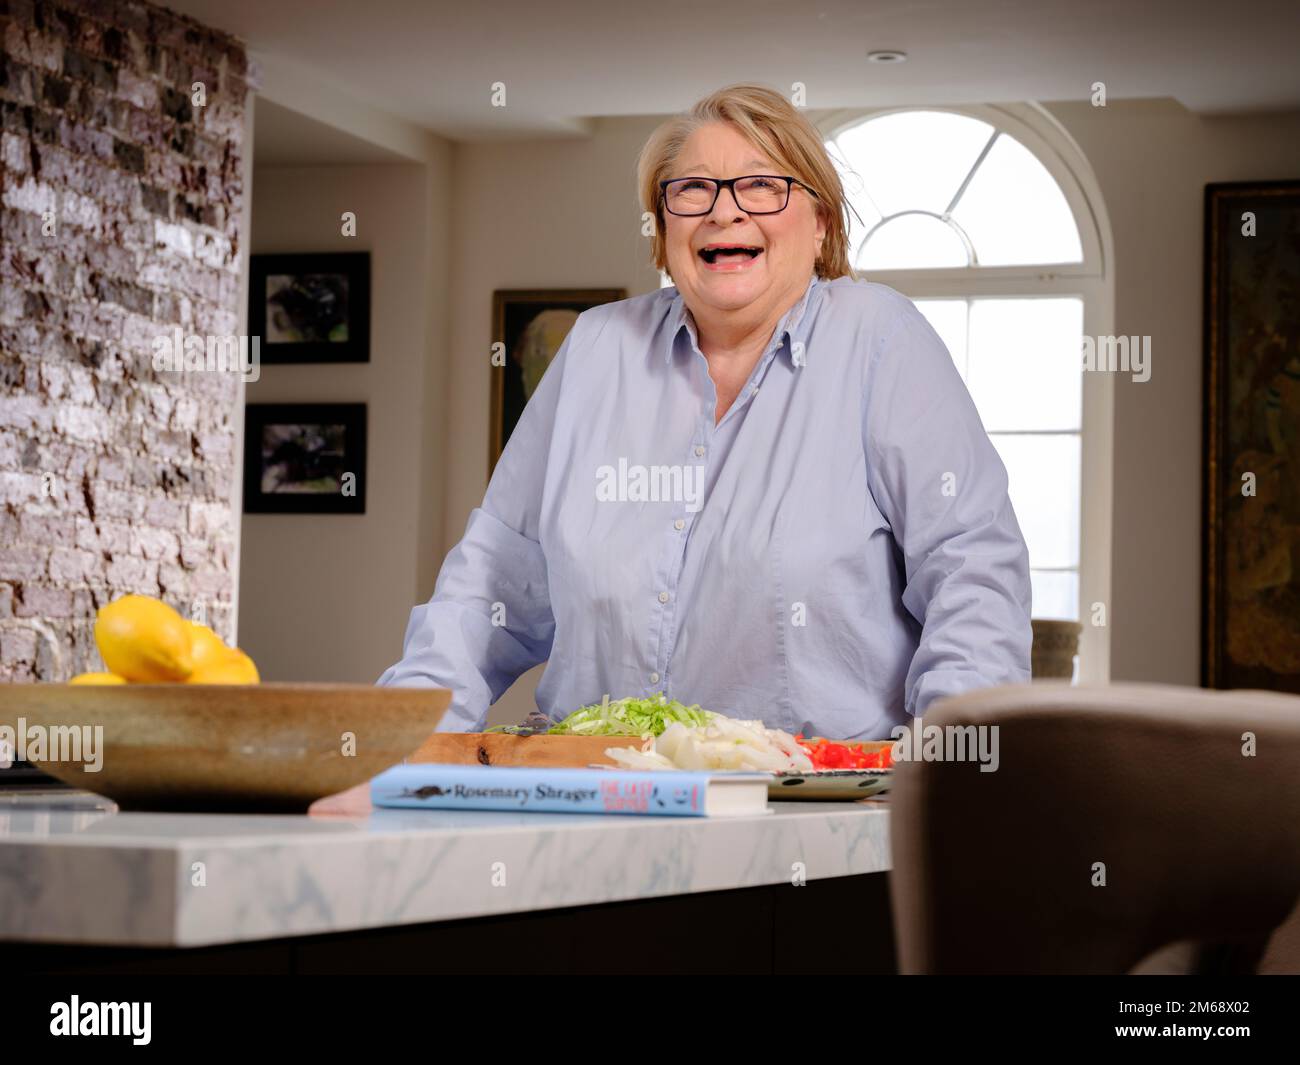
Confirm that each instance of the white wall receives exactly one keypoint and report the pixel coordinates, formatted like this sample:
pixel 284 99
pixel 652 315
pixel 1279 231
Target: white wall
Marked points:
pixel 326 597
pixel 1153 160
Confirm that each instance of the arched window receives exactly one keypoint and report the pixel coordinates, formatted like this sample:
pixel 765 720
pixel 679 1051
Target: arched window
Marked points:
pixel 981 217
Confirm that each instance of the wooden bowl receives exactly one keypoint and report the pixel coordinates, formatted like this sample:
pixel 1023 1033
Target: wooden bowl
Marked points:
pixel 223 747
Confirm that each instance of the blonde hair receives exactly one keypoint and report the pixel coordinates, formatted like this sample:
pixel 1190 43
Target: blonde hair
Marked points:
pixel 773 125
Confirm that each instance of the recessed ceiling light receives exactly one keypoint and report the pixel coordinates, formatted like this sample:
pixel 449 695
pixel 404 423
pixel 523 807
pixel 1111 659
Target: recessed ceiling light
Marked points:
pixel 887 56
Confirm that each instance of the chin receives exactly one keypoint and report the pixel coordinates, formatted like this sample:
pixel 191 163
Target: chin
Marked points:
pixel 721 285
pixel 731 299
pixel 731 291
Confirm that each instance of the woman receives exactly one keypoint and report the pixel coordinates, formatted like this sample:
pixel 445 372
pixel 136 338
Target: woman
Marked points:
pixel 765 490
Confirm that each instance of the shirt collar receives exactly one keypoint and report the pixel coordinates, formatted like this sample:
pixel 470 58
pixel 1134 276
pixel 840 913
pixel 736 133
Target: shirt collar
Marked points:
pixel 794 323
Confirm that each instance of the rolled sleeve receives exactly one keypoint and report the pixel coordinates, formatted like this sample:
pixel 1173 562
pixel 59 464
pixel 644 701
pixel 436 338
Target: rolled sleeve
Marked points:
pixel 942 487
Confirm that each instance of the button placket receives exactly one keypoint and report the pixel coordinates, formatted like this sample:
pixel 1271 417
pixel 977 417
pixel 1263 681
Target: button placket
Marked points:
pixel 667 605
pixel 666 597
pixel 682 522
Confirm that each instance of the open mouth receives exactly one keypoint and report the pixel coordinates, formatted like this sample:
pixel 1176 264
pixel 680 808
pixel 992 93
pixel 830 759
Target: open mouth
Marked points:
pixel 716 254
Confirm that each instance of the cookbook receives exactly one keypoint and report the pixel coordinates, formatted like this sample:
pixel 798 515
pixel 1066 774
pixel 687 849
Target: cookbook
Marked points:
pixel 673 793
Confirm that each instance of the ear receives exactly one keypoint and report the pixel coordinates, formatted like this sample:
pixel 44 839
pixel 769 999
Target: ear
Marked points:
pixel 820 235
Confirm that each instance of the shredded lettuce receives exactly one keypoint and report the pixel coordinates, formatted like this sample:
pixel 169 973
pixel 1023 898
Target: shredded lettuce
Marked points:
pixel 631 717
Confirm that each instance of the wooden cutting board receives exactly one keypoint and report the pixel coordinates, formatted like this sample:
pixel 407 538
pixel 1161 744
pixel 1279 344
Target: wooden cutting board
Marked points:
pixel 495 748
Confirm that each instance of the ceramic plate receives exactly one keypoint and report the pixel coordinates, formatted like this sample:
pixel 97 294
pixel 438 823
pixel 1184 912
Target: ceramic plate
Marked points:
pixel 834 785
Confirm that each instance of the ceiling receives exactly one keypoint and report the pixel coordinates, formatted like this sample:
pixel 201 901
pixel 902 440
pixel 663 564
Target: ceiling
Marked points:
pixel 432 62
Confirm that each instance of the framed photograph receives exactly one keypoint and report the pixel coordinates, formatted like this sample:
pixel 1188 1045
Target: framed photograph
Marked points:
pixel 310 308
pixel 305 458
pixel 1250 595
pixel 531 324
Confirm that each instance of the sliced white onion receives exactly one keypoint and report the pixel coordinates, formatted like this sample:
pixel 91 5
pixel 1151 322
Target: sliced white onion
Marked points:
pixel 724 743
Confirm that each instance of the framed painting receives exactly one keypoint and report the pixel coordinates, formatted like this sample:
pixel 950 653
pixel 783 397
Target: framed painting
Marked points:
pixel 305 458
pixel 530 325
pixel 310 308
pixel 1250 595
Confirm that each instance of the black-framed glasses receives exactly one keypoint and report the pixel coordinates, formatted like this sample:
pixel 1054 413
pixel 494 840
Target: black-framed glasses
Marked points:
pixel 753 193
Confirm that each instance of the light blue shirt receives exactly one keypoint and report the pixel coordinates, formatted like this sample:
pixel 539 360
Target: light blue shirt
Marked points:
pixel 834 555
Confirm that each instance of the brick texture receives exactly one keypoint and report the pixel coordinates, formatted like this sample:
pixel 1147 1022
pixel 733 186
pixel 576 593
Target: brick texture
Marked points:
pixel 120 203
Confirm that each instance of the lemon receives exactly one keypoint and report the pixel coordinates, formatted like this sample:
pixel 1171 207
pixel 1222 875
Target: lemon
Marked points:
pixel 206 647
pixel 234 667
pixel 143 639
pixel 97 678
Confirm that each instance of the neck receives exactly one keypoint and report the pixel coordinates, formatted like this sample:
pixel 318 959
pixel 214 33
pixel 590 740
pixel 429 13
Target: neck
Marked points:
pixel 742 332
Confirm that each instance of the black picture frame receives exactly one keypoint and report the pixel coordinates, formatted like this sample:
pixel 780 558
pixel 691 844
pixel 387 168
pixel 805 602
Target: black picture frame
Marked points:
pixel 348 424
pixel 1250 598
pixel 328 285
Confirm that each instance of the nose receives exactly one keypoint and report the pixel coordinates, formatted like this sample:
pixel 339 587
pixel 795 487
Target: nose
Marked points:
pixel 721 211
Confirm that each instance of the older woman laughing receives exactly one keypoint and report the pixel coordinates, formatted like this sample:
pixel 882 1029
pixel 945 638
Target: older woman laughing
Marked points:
pixel 765 490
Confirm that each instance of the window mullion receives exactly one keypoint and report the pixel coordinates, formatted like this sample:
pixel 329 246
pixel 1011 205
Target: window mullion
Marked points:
pixel 979 159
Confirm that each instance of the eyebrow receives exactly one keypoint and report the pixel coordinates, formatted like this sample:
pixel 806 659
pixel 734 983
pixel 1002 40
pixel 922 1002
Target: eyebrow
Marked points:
pixel 703 167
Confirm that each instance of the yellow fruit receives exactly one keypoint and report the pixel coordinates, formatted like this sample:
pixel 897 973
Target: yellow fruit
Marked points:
pixel 235 668
pixel 97 678
pixel 143 639
pixel 206 647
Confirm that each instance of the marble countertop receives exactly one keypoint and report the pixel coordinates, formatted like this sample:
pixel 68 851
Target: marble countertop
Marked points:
pixel 74 870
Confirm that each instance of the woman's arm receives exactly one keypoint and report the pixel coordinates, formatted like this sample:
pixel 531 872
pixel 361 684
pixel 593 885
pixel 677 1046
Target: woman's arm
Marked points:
pixel 942 487
pixel 490 616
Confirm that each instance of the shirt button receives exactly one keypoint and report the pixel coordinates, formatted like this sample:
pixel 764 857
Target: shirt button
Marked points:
pixel 663 597
pixel 699 450
pixel 679 525
pixel 654 678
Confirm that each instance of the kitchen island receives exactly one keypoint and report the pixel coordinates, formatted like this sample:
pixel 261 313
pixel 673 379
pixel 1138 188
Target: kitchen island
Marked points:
pixel 416 891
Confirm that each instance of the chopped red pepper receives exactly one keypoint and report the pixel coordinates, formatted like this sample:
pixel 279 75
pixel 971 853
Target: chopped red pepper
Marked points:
pixel 827 755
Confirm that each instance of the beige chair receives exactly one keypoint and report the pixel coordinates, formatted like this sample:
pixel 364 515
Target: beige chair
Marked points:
pixel 1144 785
